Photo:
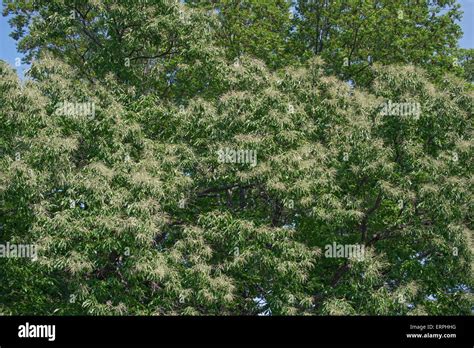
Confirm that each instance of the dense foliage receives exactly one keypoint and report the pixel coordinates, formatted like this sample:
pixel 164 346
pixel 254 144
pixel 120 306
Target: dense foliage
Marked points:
pixel 213 173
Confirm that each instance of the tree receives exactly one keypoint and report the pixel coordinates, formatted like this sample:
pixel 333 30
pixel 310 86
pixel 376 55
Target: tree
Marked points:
pixel 159 44
pixel 226 206
pixel 350 35
pixel 161 168
pixel 147 45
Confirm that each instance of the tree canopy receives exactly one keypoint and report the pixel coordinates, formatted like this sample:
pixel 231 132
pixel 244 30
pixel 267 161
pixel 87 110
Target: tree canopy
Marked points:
pixel 200 158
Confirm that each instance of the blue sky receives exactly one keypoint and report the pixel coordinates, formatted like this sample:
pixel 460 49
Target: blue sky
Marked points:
pixel 9 53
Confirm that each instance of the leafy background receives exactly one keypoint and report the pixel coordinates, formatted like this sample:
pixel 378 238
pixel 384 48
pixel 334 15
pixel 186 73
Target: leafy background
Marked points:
pixel 160 227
